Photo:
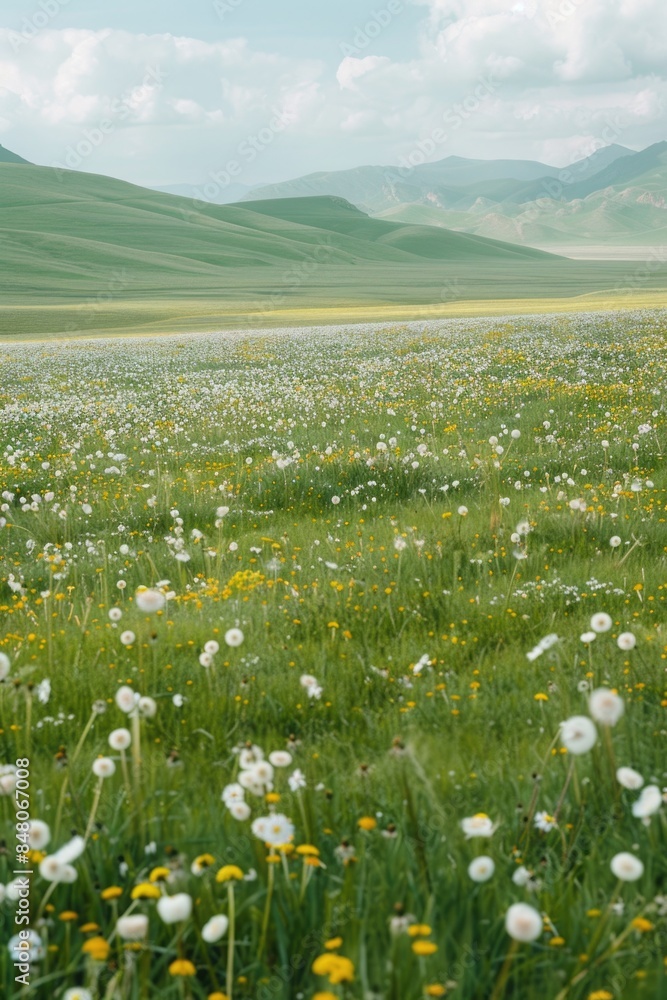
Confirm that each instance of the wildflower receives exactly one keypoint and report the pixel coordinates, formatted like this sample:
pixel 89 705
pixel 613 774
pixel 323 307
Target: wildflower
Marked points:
pixel 234 637
pixel 588 637
pixel 150 601
pixel 600 995
pixel 110 893
pixel 104 767
pixel 626 641
pixel 605 706
pixel 159 874
pixel 201 864
pixel 126 699
pixel 434 990
pixel 97 947
pixel 615 541
pixel 128 638
pixel 523 923
pixel 297 780
pixel 578 734
pixel 273 830
pixel 478 825
pixel 77 993
pixel 145 890
pixel 5 666
pixel 147 707
pixel 481 869
pixel 39 834
pixel 544 822
pixel 280 758
pixel 229 873
pixel 182 967
pixel 642 925
pixel 120 739
pixel 648 803
pixel 424 948
pixel 601 622
pixel 133 927
pixel 367 823
pixel 337 968
pixel 627 867
pixel 215 928
pixel 175 909
pixel 463 511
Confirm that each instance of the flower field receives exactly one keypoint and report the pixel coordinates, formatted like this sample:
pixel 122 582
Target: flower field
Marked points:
pixel 332 663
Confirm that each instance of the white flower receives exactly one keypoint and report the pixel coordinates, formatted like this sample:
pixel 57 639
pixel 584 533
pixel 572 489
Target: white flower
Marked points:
pixel 115 614
pixel 629 778
pixel 601 622
pixel 43 691
pixel 26 947
pixel 233 793
pixel 206 659
pixel 175 909
pixel 5 666
pixel 147 707
pixel 481 869
pixel 297 780
pixel 587 637
pixel 615 541
pixel 127 637
pixel 605 706
pixel 578 734
pixel 126 699
pixel 627 867
pixel 51 869
pixel 239 810
pixel 478 825
pixel 463 510
pixel 211 647
pixel 133 927
pixel 120 739
pixel 39 834
pixel 70 851
pixel 274 830
pixel 249 756
pixel 307 681
pixel 523 922
pixel 77 993
pixel 234 637
pixel 150 601
pixel 103 767
pixel 280 758
pixel 215 928
pixel 335 501
pixel 626 641
pixel 521 876
pixel 648 803
pixel 544 822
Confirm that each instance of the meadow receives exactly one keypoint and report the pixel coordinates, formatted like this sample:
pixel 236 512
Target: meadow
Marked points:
pixel 332 662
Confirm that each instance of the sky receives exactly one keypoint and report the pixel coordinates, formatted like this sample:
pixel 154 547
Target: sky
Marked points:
pixel 257 91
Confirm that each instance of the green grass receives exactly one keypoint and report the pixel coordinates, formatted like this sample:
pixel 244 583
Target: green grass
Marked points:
pixel 277 427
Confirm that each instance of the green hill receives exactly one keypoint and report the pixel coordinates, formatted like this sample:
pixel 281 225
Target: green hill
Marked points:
pixel 6 156
pixel 84 253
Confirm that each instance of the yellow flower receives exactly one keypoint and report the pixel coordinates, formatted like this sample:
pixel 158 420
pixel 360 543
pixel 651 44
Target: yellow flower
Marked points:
pixel 97 948
pixel 203 861
pixel 89 928
pixel 218 996
pixel 423 948
pixel 640 924
pixel 273 859
pixel 273 798
pixel 540 696
pixel 333 943
pixel 67 915
pixel 419 930
pixel 308 849
pixel 326 995
pixel 601 995
pixel 435 990
pixel 145 891
pixel 367 823
pixel 557 942
pixel 182 967
pixel 285 848
pixel 229 872
pixel 336 967
pixel 159 874
pixel 113 892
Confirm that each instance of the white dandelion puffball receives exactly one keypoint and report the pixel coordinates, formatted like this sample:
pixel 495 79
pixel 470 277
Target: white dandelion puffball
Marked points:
pixel 215 928
pixel 234 637
pixel 150 601
pixel 126 699
pixel 578 734
pixel 103 767
pixel 5 666
pixel 626 641
pixel 175 909
pixel 147 707
pixel 605 706
pixel 615 541
pixel 39 834
pixel 523 922
pixel 280 758
pixel 629 778
pixel 478 825
pixel 120 739
pixel 127 637
pixel 481 869
pixel 463 510
pixel 70 851
pixel 132 928
pixel 648 803
pixel 274 830
pixel 239 810
pixel 627 867
pixel 601 622
pixel 211 647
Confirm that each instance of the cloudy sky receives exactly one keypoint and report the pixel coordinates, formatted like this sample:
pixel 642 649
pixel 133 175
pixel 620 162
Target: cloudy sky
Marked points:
pixel 174 92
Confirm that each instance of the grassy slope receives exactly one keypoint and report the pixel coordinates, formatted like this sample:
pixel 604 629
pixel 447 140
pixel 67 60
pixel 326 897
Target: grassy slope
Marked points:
pixel 83 253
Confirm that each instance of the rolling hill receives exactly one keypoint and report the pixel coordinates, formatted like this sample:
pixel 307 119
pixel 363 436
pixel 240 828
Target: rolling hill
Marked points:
pixel 81 252
pixel 6 156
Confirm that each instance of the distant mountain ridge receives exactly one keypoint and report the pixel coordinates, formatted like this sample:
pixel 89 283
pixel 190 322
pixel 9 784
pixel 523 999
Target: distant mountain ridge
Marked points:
pixel 6 156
